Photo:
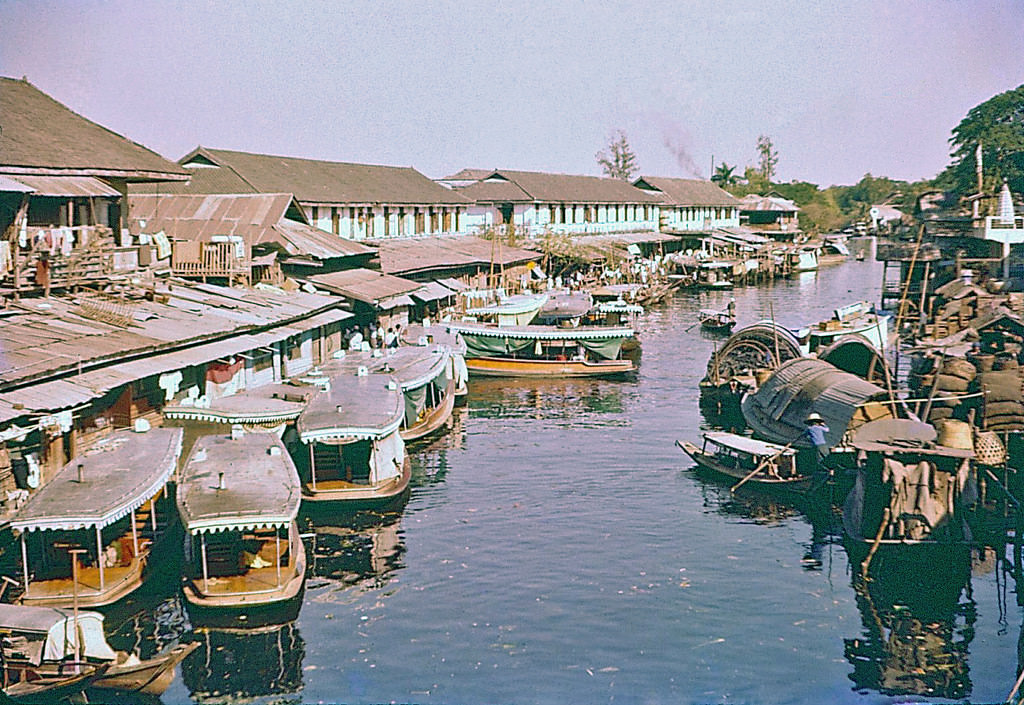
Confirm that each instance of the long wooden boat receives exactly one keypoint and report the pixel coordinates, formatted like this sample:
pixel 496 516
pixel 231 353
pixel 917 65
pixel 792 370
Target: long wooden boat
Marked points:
pixel 757 463
pixel 238 494
pixel 86 536
pixel 268 406
pixel 494 306
pixel 42 642
pixel 716 321
pixel 544 351
pixel 424 373
pixel 29 686
pixel 348 449
pixel 416 334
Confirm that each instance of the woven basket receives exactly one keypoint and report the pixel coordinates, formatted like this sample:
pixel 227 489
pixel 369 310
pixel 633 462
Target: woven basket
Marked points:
pixel 988 449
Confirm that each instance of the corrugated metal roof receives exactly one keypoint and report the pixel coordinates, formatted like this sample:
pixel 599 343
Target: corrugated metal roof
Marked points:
pixel 68 186
pixel 432 291
pixel 365 285
pixel 412 255
pixel 753 202
pixel 778 409
pixel 9 185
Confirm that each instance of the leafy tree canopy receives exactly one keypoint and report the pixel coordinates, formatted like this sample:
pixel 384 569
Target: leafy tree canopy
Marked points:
pixel 618 159
pixel 768 157
pixel 998 124
pixel 725 175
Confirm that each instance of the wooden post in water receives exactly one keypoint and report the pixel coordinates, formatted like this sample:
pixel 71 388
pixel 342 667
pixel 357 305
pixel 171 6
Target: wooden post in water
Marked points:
pixel 100 557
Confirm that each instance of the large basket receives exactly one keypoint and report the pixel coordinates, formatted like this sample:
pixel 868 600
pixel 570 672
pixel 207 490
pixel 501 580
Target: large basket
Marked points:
pixel 988 448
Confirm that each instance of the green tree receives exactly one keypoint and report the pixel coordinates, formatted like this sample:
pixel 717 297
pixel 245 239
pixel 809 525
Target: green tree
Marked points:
pixel 618 159
pixel 725 175
pixel 768 158
pixel 998 125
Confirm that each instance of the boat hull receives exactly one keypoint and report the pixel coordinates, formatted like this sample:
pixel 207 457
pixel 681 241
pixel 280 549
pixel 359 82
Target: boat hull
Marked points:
pixel 433 421
pixel 331 498
pixel 511 367
pixel 152 676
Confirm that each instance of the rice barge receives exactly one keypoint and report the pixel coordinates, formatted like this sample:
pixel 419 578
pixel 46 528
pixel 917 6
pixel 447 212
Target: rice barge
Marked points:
pixel 245 562
pixel 87 535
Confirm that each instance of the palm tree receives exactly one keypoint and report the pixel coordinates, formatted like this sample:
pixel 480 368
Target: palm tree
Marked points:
pixel 725 175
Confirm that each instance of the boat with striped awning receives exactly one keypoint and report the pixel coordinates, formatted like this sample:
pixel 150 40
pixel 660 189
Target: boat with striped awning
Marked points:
pixel 87 535
pixel 238 498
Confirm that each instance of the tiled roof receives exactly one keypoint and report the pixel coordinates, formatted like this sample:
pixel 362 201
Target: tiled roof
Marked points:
pixel 543 187
pixel 41 134
pixel 311 180
pixel 688 192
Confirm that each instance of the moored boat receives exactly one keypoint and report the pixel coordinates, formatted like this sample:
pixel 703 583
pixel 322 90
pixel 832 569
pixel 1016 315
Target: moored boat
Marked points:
pixel 804 259
pixel 544 351
pixel 858 318
pixel 41 642
pixel 750 461
pixel 348 448
pixel 86 536
pixel 714 275
pixel 425 375
pixel 238 494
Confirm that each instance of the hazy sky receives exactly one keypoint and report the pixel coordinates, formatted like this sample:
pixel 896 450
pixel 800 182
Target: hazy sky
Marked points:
pixel 842 88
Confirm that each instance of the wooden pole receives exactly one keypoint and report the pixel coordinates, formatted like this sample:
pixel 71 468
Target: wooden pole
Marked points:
pixel 312 467
pixel 74 597
pixel 135 535
pixel 277 544
pixel 152 516
pixel 761 465
pixel 202 552
pixel 874 546
pixel 24 560
pixel 100 557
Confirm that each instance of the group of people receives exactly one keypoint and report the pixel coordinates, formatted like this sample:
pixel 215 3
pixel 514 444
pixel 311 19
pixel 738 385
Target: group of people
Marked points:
pixel 372 338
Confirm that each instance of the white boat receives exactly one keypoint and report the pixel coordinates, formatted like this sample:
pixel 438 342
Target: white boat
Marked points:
pixel 858 318
pixel 494 306
pixel 803 260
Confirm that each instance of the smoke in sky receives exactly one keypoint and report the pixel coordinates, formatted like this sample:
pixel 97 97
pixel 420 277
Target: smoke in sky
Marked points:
pixel 676 140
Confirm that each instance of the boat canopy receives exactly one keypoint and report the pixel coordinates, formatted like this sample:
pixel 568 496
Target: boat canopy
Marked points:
pixel 857 355
pixel 778 409
pixel 414 367
pixel 275 403
pixel 355 407
pixel 484 341
pixel 260 484
pixel 119 474
pixel 51 632
pixel 761 345
pixel 747 445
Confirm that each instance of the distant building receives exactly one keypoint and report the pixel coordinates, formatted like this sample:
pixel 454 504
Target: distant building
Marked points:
pixel 536 202
pixel 352 201
pixel 773 215
pixel 692 204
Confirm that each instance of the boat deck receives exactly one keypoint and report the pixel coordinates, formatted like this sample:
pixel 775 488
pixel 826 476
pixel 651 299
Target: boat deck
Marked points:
pixel 254 580
pixel 117 580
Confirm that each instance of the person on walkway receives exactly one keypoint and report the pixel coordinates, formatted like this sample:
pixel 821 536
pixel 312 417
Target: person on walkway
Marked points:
pixel 390 340
pixel 815 431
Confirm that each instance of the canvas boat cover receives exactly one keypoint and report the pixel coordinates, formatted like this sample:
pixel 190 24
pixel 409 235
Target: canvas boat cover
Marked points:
pixel 261 484
pixel 120 474
pixel 369 406
pixel 51 632
pixel 486 341
pixel 745 444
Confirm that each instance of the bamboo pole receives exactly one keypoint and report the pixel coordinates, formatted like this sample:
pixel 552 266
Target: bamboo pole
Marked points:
pixel 874 546
pixel 206 574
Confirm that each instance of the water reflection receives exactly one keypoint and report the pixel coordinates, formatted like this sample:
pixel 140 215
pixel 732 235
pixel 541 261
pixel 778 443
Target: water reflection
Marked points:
pixel 235 667
pixel 364 551
pixel 565 402
pixel 913 641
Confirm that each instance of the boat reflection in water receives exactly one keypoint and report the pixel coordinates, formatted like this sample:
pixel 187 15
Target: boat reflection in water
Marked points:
pixel 572 403
pixel 364 551
pixel 235 666
pixel 913 642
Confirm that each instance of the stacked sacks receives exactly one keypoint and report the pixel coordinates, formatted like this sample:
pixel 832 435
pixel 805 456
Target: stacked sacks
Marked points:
pixel 949 379
pixel 1001 407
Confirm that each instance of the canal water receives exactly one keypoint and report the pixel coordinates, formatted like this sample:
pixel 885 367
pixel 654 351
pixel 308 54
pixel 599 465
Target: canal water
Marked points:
pixel 558 547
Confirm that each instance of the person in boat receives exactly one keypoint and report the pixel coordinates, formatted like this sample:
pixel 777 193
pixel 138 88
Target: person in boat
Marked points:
pixel 815 431
pixel 731 308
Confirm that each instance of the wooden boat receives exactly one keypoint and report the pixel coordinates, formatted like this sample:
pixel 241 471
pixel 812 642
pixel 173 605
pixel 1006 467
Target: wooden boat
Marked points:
pixel 41 641
pixel 494 306
pixel 237 495
pixel 714 275
pixel 424 373
pixel 909 501
pixel 544 351
pixel 858 318
pixel 716 321
pixel 804 259
pixel 269 406
pixel 348 449
pixel 33 687
pixel 754 462
pixel 415 334
pixel 86 536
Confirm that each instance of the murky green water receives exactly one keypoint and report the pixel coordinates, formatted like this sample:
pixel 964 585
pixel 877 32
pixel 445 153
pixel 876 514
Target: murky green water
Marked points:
pixel 558 547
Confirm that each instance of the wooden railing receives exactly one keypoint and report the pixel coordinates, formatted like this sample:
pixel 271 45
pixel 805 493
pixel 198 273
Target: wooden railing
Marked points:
pixel 208 259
